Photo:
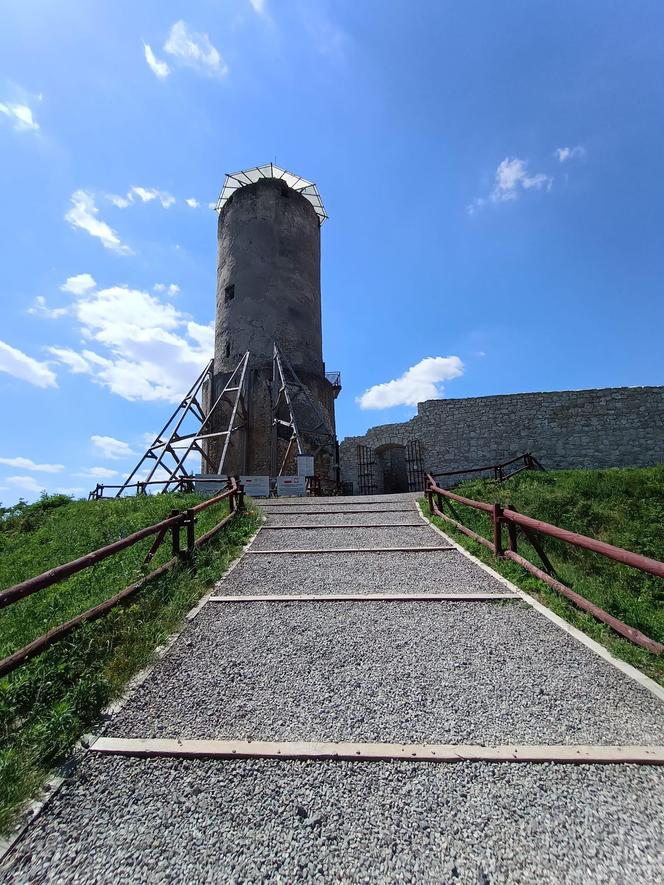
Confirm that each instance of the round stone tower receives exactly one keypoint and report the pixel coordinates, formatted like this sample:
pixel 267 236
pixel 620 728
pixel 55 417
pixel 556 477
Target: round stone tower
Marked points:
pixel 268 292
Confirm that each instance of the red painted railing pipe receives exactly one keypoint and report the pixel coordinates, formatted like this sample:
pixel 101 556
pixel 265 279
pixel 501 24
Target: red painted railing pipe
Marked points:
pixel 636 560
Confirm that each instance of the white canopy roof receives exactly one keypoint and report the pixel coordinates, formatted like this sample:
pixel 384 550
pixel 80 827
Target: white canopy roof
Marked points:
pixel 308 189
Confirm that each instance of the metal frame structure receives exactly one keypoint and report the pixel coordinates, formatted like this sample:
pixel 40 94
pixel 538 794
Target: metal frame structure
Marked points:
pixel 366 465
pixel 164 452
pixel 296 417
pixel 236 180
pixel 414 466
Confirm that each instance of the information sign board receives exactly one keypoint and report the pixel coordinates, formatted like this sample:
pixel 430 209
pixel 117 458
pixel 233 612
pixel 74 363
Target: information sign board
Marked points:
pixel 291 485
pixel 305 465
pixel 256 486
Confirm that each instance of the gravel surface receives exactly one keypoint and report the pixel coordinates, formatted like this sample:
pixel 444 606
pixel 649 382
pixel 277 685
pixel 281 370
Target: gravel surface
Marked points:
pixel 448 672
pixel 364 538
pixel 331 517
pixel 207 821
pixel 339 500
pixel 437 572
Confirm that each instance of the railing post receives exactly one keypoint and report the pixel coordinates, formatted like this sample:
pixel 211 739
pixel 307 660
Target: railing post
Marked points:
pixel 439 501
pixel 497 518
pixel 190 523
pixel 511 534
pixel 430 500
pixel 240 497
pixel 175 535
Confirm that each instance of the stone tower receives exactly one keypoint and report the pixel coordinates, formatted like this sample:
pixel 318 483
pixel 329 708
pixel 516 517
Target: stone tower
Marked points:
pixel 268 292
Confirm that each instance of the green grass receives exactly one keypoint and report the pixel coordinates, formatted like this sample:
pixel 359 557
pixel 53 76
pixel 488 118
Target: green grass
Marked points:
pixel 624 507
pixel 46 704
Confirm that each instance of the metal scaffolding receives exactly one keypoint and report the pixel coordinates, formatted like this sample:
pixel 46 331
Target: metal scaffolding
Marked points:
pixel 296 417
pixel 188 431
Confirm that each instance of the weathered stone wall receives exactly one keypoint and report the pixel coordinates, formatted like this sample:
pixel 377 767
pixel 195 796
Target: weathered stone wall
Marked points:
pixel 608 427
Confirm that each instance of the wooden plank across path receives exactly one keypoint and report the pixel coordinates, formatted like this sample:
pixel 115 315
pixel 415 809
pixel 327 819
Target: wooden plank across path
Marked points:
pixel 251 552
pixel 346 525
pixel 331 750
pixel 309 511
pixel 370 597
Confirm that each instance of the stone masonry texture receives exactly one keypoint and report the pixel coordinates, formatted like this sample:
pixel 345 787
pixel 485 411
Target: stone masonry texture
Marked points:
pixel 606 427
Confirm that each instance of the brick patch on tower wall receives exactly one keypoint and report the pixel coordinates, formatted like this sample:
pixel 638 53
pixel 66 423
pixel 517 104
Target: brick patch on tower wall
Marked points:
pixel 606 427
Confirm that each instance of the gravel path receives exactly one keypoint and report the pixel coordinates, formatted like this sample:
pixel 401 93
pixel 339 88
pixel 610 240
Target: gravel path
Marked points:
pixel 448 672
pixel 195 821
pixel 387 671
pixel 364 538
pixel 437 572
pixel 331 517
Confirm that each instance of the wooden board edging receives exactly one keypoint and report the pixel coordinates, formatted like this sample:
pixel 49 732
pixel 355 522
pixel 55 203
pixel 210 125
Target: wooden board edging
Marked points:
pixel 345 750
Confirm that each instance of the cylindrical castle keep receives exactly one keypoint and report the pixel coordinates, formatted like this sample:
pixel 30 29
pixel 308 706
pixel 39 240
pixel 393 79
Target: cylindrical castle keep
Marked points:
pixel 268 291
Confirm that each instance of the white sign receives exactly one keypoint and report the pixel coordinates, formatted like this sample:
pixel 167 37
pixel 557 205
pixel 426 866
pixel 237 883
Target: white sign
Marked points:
pixel 256 486
pixel 291 485
pixel 305 465
pixel 204 485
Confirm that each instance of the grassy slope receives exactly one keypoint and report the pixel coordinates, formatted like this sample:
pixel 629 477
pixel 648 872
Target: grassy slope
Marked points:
pixel 49 702
pixel 624 507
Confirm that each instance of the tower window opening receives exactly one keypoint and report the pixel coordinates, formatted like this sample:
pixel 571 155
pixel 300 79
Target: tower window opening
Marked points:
pixel 228 348
pixel 229 292
pixel 285 190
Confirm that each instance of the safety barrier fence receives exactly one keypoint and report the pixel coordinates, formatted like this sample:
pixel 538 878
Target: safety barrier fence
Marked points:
pixel 183 484
pixel 531 528
pixel 178 520
pixel 527 461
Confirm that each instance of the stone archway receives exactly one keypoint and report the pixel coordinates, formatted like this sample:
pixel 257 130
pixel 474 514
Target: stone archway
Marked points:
pixel 392 473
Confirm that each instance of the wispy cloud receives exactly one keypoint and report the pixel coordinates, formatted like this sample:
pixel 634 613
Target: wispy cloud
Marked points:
pixel 170 289
pixel 84 216
pixel 20 116
pixel 26 483
pixel 41 309
pixel 570 153
pixel 27 464
pixel 194 50
pixel 421 382
pixel 258 6
pixel 97 472
pixel 20 365
pixel 109 447
pixel 159 68
pixel 510 179
pixel 147 194
pixel 192 202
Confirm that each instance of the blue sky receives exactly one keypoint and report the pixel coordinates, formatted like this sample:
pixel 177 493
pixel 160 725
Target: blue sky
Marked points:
pixel 492 172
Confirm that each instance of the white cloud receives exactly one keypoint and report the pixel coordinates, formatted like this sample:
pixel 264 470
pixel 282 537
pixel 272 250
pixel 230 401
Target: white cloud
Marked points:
pixel 144 348
pixel 193 202
pixel 194 51
pixel 83 215
pixel 27 464
pixel 40 308
pixel 76 490
pixel 79 284
pixel 159 68
pixel 147 194
pixel 511 177
pixel 171 289
pixel 68 357
pixel 26 483
pixel 97 473
pixel 569 153
pixel 20 116
pixel 109 447
pixel 20 365
pixel 117 200
pixel 421 382
pixel 258 5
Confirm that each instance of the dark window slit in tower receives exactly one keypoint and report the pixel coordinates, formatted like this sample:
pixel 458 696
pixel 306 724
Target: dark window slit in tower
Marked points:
pixel 229 292
pixel 228 349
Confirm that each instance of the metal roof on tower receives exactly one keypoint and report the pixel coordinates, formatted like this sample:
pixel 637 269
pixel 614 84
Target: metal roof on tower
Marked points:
pixel 236 180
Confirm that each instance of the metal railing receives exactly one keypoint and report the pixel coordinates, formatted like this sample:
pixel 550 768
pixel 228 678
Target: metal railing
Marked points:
pixel 527 461
pixel 530 527
pixel 178 520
